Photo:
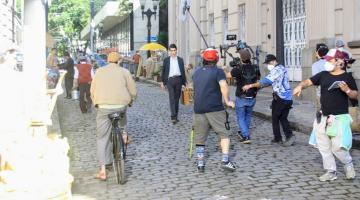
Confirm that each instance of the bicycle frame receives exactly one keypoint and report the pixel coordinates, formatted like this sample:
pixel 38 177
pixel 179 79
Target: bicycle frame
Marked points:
pixel 119 150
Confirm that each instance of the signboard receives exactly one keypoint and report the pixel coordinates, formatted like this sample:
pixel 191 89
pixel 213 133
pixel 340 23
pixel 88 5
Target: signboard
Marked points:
pixel 153 38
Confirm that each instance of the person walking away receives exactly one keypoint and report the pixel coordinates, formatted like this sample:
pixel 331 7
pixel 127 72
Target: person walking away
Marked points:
pixel 282 99
pixel 332 133
pixel 68 65
pixel 83 76
pixel 112 90
pixel 209 88
pixel 319 66
pixel 173 77
pixel 150 65
pixel 246 73
pixel 136 59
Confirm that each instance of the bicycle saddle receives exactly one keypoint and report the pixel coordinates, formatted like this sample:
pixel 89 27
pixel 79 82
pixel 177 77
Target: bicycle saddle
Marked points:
pixel 116 115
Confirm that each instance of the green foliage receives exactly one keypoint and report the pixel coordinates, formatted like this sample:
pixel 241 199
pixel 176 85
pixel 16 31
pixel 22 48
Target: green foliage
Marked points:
pixel 69 16
pixel 125 7
pixel 163 4
pixel 18 8
pixel 163 38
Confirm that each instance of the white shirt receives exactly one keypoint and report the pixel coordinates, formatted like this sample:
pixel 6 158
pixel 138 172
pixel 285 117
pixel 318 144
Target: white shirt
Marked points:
pixel 174 67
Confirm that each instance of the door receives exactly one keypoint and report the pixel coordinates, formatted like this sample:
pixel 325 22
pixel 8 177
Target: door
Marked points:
pixel 294 19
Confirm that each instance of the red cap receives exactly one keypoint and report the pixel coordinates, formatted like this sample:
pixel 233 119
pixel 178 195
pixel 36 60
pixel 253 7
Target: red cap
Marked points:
pixel 334 54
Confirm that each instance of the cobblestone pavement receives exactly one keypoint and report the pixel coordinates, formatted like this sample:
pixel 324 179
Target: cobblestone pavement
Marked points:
pixel 157 165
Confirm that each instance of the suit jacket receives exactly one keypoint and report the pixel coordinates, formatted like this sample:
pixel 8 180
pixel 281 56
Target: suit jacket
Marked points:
pixel 166 70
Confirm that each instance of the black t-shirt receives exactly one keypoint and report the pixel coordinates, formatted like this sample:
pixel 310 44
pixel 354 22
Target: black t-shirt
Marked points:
pixel 334 101
pixel 207 93
pixel 246 74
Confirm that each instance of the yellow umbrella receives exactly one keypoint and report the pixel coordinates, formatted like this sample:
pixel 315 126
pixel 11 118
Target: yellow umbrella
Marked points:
pixel 152 47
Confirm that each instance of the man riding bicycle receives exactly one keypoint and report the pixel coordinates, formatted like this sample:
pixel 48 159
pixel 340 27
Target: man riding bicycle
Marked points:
pixel 112 90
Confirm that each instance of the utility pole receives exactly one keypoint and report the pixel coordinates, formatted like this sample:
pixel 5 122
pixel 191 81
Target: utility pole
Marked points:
pixel 92 13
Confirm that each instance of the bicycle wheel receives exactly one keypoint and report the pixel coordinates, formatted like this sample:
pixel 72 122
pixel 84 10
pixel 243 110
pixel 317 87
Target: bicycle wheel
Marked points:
pixel 119 162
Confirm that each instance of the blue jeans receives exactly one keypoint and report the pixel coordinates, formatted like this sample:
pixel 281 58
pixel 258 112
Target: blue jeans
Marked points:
pixel 244 108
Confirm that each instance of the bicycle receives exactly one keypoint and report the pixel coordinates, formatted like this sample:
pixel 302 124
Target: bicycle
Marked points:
pixel 119 149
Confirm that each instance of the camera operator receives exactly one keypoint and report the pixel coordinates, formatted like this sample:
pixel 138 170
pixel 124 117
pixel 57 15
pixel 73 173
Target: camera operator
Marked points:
pixel 245 73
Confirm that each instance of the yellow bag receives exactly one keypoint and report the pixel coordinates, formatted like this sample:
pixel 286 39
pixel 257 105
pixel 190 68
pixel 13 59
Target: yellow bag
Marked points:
pixel 186 96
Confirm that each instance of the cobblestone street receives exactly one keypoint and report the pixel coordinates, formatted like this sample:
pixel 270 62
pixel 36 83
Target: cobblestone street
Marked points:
pixel 158 167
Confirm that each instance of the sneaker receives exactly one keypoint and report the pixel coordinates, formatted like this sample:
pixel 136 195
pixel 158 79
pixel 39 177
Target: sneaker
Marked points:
pixel 200 166
pixel 328 176
pixel 349 171
pixel 289 141
pixel 201 169
pixel 273 141
pixel 245 140
pixel 228 166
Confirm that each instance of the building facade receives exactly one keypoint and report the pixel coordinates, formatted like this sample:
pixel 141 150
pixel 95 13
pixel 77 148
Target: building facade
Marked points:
pixel 288 28
pixel 123 33
pixel 10 31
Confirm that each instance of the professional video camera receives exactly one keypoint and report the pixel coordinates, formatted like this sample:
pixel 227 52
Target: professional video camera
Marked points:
pixel 239 45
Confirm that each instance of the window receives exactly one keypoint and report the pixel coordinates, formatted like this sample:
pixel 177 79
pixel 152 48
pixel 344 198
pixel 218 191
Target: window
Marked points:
pixel 225 24
pixel 211 30
pixel 242 28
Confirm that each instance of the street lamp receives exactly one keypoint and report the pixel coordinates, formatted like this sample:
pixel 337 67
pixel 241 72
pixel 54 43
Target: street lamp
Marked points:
pixel 148 14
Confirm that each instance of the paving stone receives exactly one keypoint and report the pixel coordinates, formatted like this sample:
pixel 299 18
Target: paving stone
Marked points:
pixel 158 167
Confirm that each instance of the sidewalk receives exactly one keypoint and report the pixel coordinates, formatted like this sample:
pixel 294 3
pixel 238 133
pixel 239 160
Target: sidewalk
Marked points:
pixel 301 116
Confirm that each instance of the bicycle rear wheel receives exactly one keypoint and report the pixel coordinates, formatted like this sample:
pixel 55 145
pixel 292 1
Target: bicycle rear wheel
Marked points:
pixel 119 161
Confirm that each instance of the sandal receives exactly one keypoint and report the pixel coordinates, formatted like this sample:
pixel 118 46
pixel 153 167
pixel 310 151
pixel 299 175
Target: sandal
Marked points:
pixel 101 176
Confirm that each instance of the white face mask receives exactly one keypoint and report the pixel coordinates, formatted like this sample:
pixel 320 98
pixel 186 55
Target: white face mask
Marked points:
pixel 329 66
pixel 341 48
pixel 270 67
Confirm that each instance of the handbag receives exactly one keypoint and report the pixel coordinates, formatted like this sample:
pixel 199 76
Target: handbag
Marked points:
pixel 186 96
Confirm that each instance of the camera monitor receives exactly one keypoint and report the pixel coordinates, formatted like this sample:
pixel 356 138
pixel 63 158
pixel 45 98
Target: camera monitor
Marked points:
pixel 231 37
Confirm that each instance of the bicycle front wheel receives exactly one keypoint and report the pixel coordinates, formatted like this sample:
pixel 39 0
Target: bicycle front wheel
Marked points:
pixel 119 161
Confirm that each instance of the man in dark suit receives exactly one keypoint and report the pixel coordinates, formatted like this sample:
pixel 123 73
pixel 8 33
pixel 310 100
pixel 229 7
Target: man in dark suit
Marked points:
pixel 173 77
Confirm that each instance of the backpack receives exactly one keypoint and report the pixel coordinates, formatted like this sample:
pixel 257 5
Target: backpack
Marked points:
pixel 249 75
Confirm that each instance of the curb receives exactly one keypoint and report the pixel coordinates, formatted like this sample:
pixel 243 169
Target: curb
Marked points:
pixel 294 125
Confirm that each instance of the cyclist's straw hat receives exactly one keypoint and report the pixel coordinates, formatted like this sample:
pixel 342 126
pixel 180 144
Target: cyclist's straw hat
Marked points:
pixel 114 57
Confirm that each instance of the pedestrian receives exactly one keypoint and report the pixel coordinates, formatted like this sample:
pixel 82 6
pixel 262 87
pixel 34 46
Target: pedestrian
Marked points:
pixel 52 59
pixel 136 59
pixel 68 65
pixel 83 74
pixel 150 65
pixel 245 73
pixel 319 66
pixel 332 133
pixel 189 71
pixel 112 90
pixel 209 88
pixel 282 99
pixel 173 77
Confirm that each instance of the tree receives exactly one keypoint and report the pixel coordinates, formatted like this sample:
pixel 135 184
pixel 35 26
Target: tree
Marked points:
pixel 125 7
pixel 69 17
